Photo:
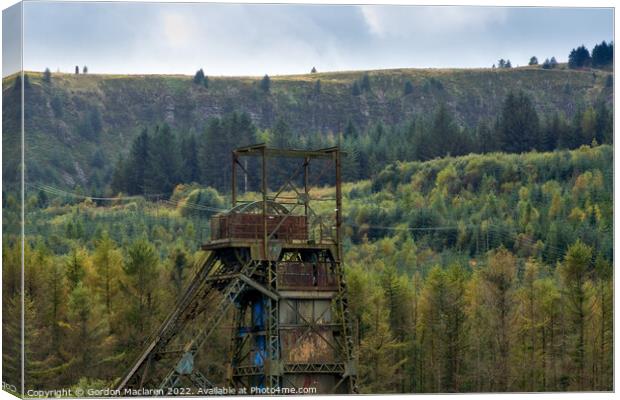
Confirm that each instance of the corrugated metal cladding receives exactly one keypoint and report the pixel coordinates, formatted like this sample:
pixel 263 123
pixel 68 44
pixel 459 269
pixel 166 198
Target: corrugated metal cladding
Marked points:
pixel 250 226
pixel 322 382
pixel 300 312
pixel 300 276
pixel 307 345
pixel 300 343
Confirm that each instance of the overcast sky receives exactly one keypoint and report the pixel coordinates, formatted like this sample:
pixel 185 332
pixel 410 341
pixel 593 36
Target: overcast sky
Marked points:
pixel 229 39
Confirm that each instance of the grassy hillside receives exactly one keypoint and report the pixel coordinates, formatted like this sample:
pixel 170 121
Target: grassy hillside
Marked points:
pixel 61 146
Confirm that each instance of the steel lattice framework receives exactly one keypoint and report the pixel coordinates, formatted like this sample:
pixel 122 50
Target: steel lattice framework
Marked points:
pixel 274 266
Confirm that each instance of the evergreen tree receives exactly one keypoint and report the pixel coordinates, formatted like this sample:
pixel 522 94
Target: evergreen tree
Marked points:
pixel 519 128
pixel 164 162
pixel 579 58
pixel 487 138
pixel 444 136
pixel 107 261
pixel 603 124
pixel 499 282
pixel 602 55
pixel 553 132
pixel 75 271
pixel 141 269
pixel 190 166
pixel 87 331
pixel 213 147
pixel 77 70
pixel 533 61
pixel 575 272
pixel 378 369
pixel 120 180
pixel 138 164
pixel 553 62
pixel 365 83
pixel 85 69
pixel 47 76
pixel 199 77
pixel 265 84
pixel 408 89
pixel 313 71
pixel 55 299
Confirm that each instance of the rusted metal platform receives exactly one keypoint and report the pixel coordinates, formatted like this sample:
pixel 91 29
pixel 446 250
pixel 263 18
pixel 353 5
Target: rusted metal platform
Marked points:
pixel 276 264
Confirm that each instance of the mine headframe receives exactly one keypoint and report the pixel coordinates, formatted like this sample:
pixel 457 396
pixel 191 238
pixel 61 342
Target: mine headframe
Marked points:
pixel 274 267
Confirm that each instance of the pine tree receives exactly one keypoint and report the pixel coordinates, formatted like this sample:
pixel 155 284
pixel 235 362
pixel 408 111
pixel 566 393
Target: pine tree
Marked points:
pixel 408 89
pixel 141 270
pixel 138 164
pixel 519 126
pixel 553 62
pixel 603 124
pixel 365 83
pixel 190 166
pixel 378 369
pixel 107 261
pixel 55 299
pixel 533 61
pixel 214 145
pixel 486 138
pixel 444 135
pixel 579 58
pixel 604 281
pixel 265 84
pixel 75 271
pixel 602 55
pixel 47 76
pixel 552 133
pixel 77 70
pixel 499 283
pixel 88 328
pixel 575 272
pixel 455 334
pixel 119 177
pixel 199 77
pixel 164 162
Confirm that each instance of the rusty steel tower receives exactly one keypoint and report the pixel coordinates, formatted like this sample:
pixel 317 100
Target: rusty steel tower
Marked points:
pixel 274 268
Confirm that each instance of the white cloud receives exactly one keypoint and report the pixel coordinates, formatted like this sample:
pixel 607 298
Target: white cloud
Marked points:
pixel 408 20
pixel 178 29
